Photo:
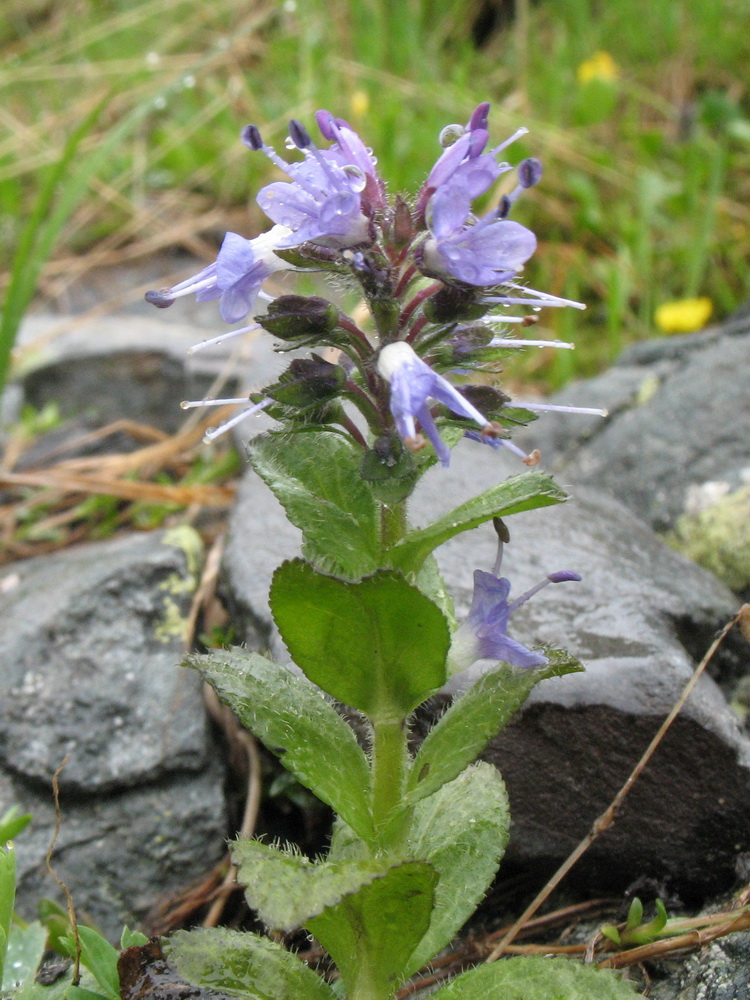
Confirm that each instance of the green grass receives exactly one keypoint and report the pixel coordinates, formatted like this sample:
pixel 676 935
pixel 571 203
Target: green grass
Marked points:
pixel 645 192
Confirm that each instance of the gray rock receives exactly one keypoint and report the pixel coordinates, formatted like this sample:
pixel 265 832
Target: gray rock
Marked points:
pixel 90 639
pixel 121 853
pixel 639 620
pixel 679 417
pixel 721 971
pixel 124 367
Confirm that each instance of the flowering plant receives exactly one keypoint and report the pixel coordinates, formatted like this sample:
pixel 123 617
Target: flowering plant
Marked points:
pixel 364 612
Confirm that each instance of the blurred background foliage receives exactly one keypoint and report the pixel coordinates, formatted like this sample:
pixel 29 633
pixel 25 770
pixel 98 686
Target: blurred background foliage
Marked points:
pixel 639 111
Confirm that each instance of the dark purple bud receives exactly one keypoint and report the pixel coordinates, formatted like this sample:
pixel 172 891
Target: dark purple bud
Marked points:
pixel 161 298
pixel 299 134
pixel 479 116
pixel 250 136
pixel 563 576
pixel 504 207
pixel 325 122
pixel 529 172
pixel 295 317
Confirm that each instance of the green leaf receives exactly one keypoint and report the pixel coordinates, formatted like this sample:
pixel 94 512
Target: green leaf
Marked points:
pixel 243 965
pixel 371 934
pixel 462 831
pixel 524 492
pixel 24 955
pixel 430 581
pixel 316 478
pixel 12 823
pixel 378 645
pixel 7 899
pixel 287 889
pixel 130 939
pixel 99 957
pixel 473 719
pixel 288 714
pixel 537 978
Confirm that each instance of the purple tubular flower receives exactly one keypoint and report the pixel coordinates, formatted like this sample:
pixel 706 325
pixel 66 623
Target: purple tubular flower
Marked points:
pixel 412 383
pixel 235 277
pixel 330 194
pixel 483 636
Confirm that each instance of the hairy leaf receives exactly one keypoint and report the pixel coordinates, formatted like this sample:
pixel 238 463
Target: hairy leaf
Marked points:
pixel 290 715
pixel 316 478
pixel 524 492
pixel 537 978
pixel 473 719
pixel 287 889
pixel 243 965
pixel 372 933
pixel 462 831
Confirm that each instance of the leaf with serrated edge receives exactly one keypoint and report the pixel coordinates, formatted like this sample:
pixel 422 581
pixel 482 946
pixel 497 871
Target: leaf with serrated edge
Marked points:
pixel 524 492
pixel 243 965
pixel 315 476
pixel 371 934
pixel 461 831
pixel 537 978
pixel 287 889
pixel 378 645
pixel 288 713
pixel 463 732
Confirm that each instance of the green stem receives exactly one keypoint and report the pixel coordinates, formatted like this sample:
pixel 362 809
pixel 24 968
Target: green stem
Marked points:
pixel 390 760
pixel 392 523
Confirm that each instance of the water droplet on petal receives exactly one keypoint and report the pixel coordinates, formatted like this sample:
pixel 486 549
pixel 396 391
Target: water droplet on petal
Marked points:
pixel 355 177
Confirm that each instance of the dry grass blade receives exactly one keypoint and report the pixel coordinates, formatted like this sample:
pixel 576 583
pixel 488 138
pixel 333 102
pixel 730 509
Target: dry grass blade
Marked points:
pixel 693 939
pixel 204 494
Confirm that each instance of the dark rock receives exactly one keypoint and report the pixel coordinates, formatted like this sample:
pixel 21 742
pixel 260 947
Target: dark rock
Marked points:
pixel 90 640
pixel 639 620
pixel 679 417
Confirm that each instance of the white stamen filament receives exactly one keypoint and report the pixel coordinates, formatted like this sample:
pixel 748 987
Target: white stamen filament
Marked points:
pixel 546 297
pixel 222 337
pixel 559 408
pixel 189 404
pixel 513 342
pixel 215 432
pixel 190 286
pixel 516 135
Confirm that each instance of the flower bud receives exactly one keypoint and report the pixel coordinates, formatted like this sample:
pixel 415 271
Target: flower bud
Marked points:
pixel 453 303
pixel 298 317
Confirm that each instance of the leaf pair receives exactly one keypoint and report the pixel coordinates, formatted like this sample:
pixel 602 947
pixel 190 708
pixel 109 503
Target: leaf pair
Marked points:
pixel 316 477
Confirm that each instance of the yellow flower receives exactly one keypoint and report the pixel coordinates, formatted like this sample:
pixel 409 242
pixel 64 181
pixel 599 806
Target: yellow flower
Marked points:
pixel 359 103
pixel 601 66
pixel 683 316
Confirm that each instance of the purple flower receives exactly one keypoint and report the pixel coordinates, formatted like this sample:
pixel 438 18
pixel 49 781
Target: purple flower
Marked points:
pixel 487 251
pixel 235 277
pixel 483 636
pixel 412 383
pixel 324 199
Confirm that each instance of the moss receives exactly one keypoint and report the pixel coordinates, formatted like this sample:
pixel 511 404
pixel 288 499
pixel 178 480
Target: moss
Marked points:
pixel 174 621
pixel 718 538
